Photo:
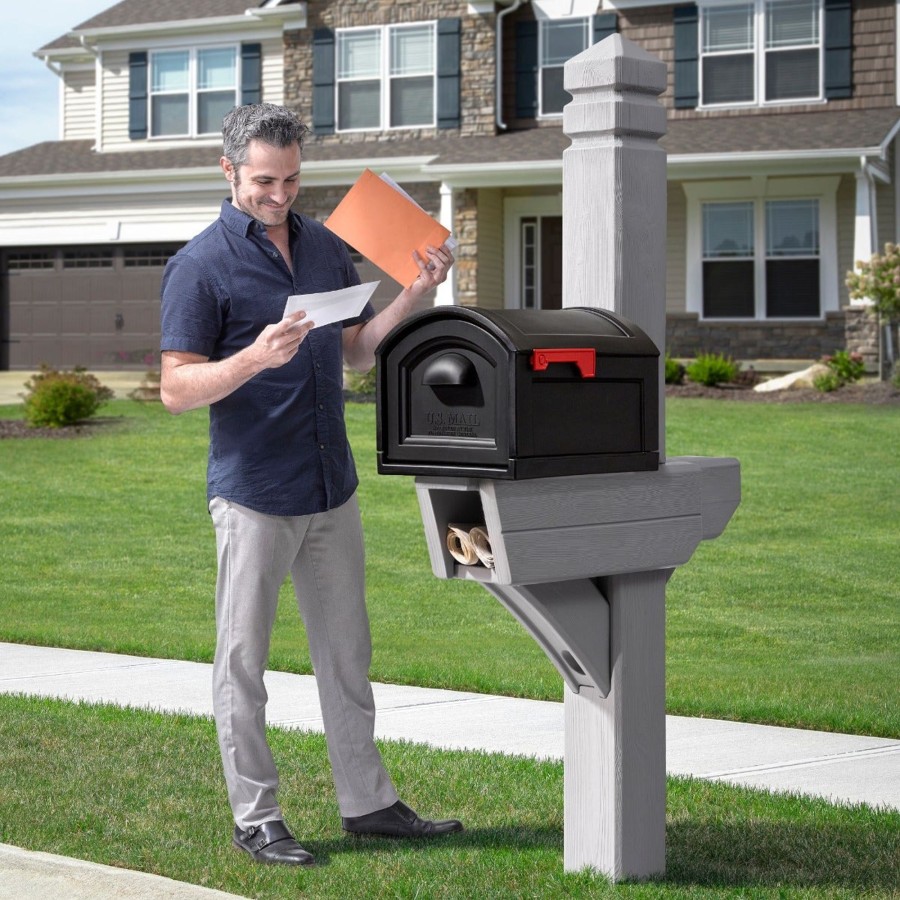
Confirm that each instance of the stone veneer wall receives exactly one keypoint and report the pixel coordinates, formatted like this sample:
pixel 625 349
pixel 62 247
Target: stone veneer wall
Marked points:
pixel 853 328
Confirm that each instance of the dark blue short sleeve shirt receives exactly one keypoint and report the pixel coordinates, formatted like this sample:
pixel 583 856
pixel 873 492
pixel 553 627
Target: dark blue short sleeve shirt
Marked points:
pixel 278 444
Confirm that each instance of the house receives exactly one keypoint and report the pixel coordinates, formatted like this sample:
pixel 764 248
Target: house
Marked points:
pixel 782 124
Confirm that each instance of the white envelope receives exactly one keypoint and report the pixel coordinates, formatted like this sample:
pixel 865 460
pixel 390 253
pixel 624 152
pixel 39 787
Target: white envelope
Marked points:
pixel 331 306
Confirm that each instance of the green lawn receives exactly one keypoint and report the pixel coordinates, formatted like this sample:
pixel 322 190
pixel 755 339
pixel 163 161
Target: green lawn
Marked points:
pixel 790 617
pixel 143 791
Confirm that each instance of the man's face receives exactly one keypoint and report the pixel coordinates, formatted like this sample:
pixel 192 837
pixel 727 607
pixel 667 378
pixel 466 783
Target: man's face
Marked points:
pixel 267 184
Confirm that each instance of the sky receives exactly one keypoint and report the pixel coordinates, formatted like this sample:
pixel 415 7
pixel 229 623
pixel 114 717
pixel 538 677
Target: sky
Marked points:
pixel 29 91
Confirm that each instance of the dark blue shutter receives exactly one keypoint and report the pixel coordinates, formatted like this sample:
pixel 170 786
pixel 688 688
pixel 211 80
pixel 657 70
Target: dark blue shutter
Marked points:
pixel 323 81
pixel 251 73
pixel 526 69
pixel 448 72
pixel 605 24
pixel 687 56
pixel 838 49
pixel 137 96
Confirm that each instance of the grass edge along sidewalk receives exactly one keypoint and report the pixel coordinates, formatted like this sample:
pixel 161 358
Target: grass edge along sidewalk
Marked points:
pixel 142 790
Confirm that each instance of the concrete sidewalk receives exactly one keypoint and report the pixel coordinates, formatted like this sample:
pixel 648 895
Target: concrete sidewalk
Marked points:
pixel 838 767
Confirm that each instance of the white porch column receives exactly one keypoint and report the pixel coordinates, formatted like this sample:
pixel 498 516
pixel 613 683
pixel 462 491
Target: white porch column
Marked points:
pixel 864 230
pixel 446 292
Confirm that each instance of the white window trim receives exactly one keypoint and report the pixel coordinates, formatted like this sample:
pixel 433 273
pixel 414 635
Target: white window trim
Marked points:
pixel 514 210
pixel 759 55
pixel 758 189
pixel 384 78
pixel 192 90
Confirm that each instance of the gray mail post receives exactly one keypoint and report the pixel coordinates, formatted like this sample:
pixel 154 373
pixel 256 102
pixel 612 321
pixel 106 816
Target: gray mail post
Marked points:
pixel 537 443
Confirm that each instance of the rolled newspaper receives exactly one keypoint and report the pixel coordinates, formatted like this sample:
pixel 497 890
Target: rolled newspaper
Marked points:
pixel 460 545
pixel 470 545
pixel 482 544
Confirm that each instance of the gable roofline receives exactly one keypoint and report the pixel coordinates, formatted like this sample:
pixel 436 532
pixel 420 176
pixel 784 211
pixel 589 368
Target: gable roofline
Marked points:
pixel 293 16
pixel 289 16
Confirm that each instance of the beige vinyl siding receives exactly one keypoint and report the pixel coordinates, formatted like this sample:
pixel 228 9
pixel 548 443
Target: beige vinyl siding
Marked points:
pixel 676 248
pixel 885 214
pixel 490 248
pixel 79 104
pixel 115 91
pixel 846 218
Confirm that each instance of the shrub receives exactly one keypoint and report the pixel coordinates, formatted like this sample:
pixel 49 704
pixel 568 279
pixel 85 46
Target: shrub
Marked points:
pixel 57 399
pixel 827 382
pixel 878 280
pixel 848 367
pixel 712 369
pixel 361 383
pixel 674 371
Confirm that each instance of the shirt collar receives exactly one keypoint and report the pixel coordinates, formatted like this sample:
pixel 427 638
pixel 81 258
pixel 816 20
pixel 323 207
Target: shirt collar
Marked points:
pixel 239 222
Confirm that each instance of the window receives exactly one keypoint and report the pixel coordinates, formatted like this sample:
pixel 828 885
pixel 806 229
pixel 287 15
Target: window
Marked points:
pixel 767 51
pixel 148 257
pixel 191 90
pixel 386 76
pixel 35 259
pixel 728 260
pixel 88 259
pixel 789 259
pixel 792 258
pixel 529 263
pixel 559 41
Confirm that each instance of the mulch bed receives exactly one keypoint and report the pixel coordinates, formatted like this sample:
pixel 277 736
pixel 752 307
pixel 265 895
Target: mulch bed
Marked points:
pixel 19 428
pixel 871 393
pixel 876 393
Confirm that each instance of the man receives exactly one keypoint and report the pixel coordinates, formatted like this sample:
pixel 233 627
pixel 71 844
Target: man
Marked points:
pixel 281 478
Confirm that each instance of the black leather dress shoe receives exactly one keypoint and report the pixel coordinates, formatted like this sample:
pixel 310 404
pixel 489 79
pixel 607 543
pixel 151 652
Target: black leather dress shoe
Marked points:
pixel 399 821
pixel 271 842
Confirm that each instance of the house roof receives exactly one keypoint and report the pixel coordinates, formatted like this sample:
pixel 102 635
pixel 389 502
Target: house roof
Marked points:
pixel 142 12
pixel 827 133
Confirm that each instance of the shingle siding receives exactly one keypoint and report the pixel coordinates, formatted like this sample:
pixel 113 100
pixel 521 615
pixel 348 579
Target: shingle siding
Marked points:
pixel 874 72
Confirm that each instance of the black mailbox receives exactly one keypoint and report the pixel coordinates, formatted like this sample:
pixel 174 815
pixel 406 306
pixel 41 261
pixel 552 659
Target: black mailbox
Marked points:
pixel 517 394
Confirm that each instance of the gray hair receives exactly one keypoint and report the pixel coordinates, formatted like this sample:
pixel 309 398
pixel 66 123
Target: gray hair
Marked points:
pixel 274 125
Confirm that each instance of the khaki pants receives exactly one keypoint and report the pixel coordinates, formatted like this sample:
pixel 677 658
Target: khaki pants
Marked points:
pixel 324 555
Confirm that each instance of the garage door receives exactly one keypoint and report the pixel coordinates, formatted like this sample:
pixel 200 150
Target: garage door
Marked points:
pixel 96 307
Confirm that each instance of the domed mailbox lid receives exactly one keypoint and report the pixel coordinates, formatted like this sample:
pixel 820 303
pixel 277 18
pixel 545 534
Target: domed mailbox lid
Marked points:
pixel 517 394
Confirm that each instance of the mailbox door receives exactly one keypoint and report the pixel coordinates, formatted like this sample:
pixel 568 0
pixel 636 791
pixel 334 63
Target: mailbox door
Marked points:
pixel 445 401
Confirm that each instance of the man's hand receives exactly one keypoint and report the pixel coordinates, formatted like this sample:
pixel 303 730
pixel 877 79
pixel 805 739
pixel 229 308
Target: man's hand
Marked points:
pixel 360 341
pixel 278 344
pixel 189 380
pixel 432 271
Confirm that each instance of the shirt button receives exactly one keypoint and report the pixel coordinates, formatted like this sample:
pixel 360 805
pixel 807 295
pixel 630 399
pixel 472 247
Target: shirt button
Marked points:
pixel 321 406
pixel 321 446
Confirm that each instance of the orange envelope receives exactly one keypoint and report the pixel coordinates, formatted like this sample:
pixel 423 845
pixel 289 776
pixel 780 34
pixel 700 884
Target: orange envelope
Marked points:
pixel 385 226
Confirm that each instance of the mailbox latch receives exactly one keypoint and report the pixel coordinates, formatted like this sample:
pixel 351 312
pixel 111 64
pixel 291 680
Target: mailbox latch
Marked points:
pixel 583 357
